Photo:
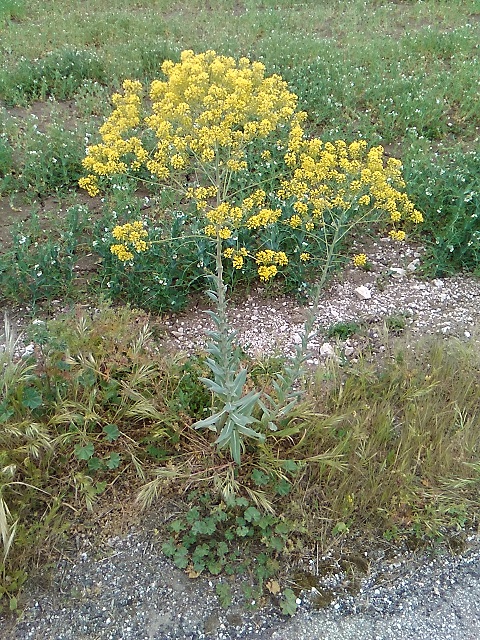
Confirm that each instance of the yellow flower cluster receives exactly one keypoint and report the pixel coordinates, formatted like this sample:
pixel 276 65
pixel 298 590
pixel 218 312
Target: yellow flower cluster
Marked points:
pixel 360 260
pixel 90 184
pixel 116 155
pixel 263 218
pixel 237 256
pixel 268 261
pixel 339 176
pixel 132 233
pixel 210 107
pixel 267 273
pixel 268 256
pixel 214 231
pixel 225 213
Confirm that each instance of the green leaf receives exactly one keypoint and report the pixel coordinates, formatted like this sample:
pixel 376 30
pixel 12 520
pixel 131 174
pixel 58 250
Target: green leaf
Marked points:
pixel 199 566
pixel 222 549
pixel 208 422
pixel 290 465
pixel 265 521
pixel 13 603
pixel 282 528
pixel 339 528
pixel 100 487
pixel 209 526
pixel 112 432
pixel 177 526
pixel 288 604
pixel 213 386
pixel 201 551
pixel 224 593
pixel 198 528
pixel 276 543
pixel 252 514
pixel 169 548
pixel 192 515
pixel 260 478
pixel 157 452
pixel 86 452
pixel 283 487
pixel 113 462
pixel 180 558
pixel 215 567
pixel 94 464
pixel 250 433
pixel 239 382
pixel 5 414
pixel 242 532
pixel 31 398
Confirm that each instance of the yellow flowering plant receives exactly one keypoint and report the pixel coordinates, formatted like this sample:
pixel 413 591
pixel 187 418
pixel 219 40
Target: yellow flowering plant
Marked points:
pixel 230 142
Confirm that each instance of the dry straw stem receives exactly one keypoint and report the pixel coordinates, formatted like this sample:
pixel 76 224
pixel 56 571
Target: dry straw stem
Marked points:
pixel 407 432
pixel 7 530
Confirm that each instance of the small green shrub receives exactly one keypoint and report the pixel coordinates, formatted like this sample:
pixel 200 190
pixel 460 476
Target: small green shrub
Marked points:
pixel 447 185
pixel 58 74
pixel 39 264
pixel 343 330
pixel 40 163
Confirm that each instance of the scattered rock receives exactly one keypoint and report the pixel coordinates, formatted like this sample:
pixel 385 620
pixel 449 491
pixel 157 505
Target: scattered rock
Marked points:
pixel 412 266
pixel 327 351
pixel 363 293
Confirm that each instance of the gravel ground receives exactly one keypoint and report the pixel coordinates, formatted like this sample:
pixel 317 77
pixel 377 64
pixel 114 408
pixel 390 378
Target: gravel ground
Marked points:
pixel 131 592
pixel 125 589
pixel 389 293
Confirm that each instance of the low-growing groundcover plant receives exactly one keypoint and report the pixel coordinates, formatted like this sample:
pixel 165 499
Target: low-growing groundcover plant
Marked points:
pixel 228 142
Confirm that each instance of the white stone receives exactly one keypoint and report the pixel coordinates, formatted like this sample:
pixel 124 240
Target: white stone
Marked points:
pixel 349 351
pixel 326 350
pixel 412 266
pixel 363 293
pixel 29 349
pixel 397 272
pixel 438 283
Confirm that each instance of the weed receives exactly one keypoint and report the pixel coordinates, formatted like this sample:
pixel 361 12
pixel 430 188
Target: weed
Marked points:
pixel 220 537
pixel 402 436
pixel 450 187
pixel 343 330
pixel 40 263
pixel 44 162
pixel 58 74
